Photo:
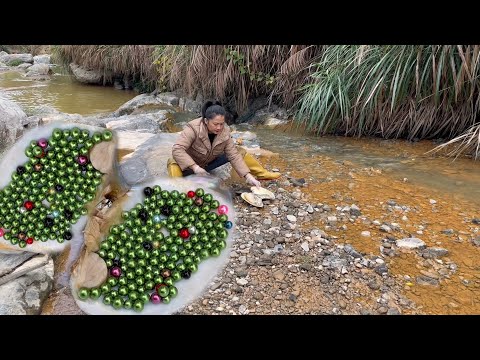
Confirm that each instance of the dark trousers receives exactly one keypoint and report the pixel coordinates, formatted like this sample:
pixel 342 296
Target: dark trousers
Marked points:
pixel 219 161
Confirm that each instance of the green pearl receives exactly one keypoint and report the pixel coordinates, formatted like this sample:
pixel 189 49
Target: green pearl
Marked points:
pixel 172 291
pixel 144 297
pixel 117 303
pixel 95 293
pixel 169 281
pixel 163 291
pixel 199 192
pixel 149 285
pixel 97 137
pixel 75 132
pixel 127 304
pixel 215 204
pixel 83 293
pixel 138 305
pixel 176 275
pixel 107 300
pixel 105 288
pixel 112 281
pixel 215 251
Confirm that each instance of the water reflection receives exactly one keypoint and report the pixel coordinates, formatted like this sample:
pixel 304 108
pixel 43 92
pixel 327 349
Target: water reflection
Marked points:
pixel 62 93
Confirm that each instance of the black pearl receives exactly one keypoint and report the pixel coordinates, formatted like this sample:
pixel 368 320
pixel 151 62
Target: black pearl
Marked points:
pixel 21 170
pixel 67 235
pixel 147 245
pixel 166 210
pixel 186 274
pixel 59 188
pixel 148 191
pixel 83 167
pixel 48 222
pixel 117 262
pixel 143 215
pixel 68 214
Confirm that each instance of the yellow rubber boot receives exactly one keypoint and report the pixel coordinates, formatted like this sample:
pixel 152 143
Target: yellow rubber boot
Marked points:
pixel 173 169
pixel 258 170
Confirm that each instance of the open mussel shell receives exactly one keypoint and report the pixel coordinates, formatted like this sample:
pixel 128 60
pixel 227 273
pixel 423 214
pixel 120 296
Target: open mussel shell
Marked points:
pixel 262 193
pixel 252 199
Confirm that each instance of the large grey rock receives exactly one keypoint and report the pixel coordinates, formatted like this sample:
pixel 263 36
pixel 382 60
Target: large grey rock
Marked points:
pixel 187 104
pixel 41 59
pixel 26 294
pixel 24 66
pixel 74 118
pixel 168 98
pixel 149 159
pixel 41 71
pixel 145 123
pixel 142 100
pixel 11 119
pixel 129 141
pixel 272 122
pixel 86 76
pixel 9 262
pixel 10 58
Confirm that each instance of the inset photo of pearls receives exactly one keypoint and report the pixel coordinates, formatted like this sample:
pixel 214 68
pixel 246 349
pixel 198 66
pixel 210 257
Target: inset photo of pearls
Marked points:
pixel 170 240
pixel 48 181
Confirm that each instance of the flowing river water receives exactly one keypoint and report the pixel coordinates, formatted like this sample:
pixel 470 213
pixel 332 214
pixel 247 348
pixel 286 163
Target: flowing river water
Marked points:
pixel 443 195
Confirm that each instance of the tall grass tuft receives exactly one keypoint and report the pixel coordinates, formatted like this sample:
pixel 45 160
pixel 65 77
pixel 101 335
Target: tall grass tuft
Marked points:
pixel 135 61
pixel 238 72
pixel 421 91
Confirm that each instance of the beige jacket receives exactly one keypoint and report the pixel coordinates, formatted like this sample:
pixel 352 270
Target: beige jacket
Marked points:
pixel 193 147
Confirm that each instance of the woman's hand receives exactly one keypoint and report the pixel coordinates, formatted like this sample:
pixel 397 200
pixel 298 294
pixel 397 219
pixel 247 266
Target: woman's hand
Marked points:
pixel 199 170
pixel 252 181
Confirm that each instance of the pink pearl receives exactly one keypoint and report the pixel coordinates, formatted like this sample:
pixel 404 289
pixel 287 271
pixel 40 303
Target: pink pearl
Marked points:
pixel 222 209
pixel 82 160
pixel 115 271
pixel 43 143
pixel 1 232
pixel 155 298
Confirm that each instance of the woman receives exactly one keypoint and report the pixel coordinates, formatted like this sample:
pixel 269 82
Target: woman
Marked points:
pixel 205 144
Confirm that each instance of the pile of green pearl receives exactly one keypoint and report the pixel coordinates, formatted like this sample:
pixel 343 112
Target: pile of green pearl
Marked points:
pixel 48 193
pixel 143 263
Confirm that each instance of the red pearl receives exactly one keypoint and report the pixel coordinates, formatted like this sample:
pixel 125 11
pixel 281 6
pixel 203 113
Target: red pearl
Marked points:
pixel 183 233
pixel 30 241
pixel 116 271
pixel 2 232
pixel 82 160
pixel 43 143
pixel 191 194
pixel 29 205
pixel 155 298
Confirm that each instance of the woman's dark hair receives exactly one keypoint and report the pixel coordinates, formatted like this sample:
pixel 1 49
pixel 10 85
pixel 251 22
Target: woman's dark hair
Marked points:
pixel 211 109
